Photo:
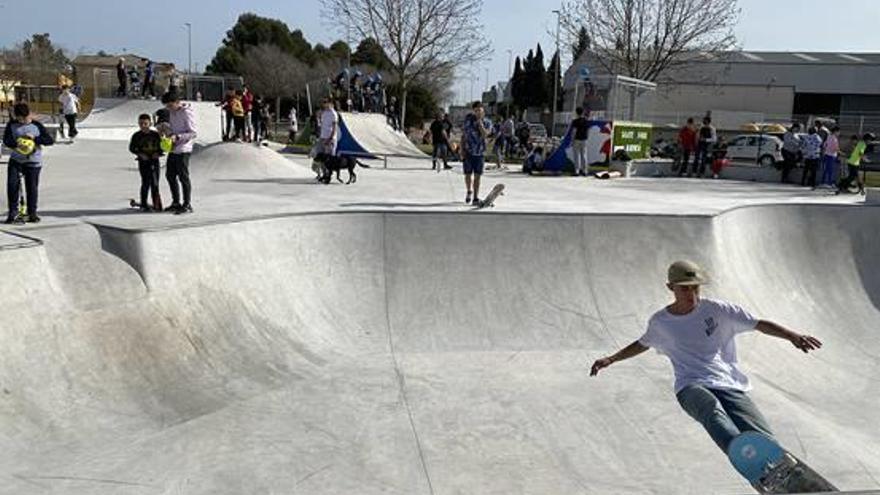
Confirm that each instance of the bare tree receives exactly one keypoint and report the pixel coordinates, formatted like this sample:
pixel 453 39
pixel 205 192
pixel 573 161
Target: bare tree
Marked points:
pixel 423 38
pixel 645 39
pixel 12 72
pixel 274 73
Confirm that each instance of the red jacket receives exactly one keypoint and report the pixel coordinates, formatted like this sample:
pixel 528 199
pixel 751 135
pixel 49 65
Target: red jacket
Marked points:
pixel 687 137
pixel 247 101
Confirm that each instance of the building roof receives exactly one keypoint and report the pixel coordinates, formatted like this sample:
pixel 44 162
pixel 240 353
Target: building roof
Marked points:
pixel 110 60
pixel 821 58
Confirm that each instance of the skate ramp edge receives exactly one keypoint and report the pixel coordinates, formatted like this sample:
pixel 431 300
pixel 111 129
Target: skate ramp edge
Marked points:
pixel 360 346
pixel 116 119
pixel 369 135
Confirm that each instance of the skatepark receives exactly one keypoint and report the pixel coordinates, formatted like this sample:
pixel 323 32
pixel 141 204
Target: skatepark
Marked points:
pixel 382 337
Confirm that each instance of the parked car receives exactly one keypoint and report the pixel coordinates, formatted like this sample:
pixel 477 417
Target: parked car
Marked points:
pixel 537 130
pixel 762 149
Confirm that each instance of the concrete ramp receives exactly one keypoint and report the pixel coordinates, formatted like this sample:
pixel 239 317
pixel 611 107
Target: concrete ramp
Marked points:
pixel 406 353
pixel 244 160
pixel 115 119
pixel 368 134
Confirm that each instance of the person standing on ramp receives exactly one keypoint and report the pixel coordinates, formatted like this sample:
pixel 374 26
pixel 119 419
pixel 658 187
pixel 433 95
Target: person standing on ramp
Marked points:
pixel 699 338
pixel 181 119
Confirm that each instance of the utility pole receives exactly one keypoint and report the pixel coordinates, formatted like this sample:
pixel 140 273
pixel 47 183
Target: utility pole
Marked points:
pixel 189 43
pixel 509 64
pixel 556 72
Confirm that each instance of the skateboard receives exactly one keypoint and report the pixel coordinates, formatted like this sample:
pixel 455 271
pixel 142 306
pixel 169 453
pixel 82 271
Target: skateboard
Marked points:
pixel 489 201
pixel 605 175
pixel 772 469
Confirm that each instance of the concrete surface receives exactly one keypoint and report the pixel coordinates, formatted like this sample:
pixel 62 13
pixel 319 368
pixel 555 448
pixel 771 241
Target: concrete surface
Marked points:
pixel 290 337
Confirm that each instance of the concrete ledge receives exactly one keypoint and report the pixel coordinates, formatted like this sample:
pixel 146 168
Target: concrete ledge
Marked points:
pixel 663 168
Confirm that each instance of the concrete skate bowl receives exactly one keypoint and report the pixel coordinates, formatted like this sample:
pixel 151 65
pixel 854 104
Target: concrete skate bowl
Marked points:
pixel 115 119
pixel 422 353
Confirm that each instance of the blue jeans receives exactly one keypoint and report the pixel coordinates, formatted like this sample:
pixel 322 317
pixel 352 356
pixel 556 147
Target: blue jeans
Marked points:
pixel 828 170
pixel 723 413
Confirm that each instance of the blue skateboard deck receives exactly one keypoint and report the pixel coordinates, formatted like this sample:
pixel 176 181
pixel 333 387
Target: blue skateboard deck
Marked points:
pixel 770 468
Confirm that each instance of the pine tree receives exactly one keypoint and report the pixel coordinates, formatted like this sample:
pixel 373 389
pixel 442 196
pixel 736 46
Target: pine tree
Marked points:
pixel 518 85
pixel 581 45
pixel 554 75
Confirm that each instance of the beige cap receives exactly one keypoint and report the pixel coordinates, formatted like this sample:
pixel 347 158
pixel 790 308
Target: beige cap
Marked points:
pixel 686 273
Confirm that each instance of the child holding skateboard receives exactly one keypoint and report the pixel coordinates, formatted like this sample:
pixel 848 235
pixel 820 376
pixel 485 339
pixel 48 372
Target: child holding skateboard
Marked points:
pixel 145 145
pixel 699 338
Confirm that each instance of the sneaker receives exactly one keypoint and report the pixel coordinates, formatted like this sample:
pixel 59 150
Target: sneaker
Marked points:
pixel 9 219
pixel 33 218
pixel 184 209
pixel 145 209
pixel 173 208
pixel 447 167
pixel 476 201
pixel 467 199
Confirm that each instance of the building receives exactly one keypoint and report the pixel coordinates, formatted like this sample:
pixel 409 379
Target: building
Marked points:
pixel 97 74
pixel 743 86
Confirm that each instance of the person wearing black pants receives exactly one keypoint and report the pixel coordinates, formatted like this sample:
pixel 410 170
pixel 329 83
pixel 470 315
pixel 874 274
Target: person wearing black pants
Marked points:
pixel 182 122
pixel 145 145
pixel 707 137
pixel 177 170
pixel 25 137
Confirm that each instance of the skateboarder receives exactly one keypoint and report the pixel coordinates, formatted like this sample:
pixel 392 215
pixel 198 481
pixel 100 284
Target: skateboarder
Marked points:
pixel 699 338
pixel 473 147
pixel 440 142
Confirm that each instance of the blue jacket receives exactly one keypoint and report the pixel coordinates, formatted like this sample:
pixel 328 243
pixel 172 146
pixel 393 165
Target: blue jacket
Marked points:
pixel 15 130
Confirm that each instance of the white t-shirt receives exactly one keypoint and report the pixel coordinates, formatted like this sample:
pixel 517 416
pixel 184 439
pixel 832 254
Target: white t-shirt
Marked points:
pixel 294 125
pixel 68 103
pixel 701 343
pixel 329 124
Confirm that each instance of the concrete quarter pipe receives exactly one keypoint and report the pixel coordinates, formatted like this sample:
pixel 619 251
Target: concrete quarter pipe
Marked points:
pixel 356 353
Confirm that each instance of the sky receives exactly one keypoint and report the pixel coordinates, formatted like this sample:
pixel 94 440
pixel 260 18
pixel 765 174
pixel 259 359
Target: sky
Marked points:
pixel 156 28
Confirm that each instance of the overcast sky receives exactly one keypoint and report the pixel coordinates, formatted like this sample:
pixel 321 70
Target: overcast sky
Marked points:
pixel 156 29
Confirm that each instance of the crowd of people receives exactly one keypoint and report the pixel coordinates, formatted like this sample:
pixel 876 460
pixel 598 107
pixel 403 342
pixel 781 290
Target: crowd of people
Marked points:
pixel 171 132
pixel 818 151
pixel 821 152
pixel 132 84
pixel 246 116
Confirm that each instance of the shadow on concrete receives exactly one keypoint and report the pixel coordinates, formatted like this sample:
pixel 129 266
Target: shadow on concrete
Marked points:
pixel 279 181
pixel 400 205
pixel 92 213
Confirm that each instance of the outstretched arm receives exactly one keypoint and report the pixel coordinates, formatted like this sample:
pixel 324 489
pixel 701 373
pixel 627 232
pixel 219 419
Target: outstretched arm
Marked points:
pixel 627 352
pixel 805 343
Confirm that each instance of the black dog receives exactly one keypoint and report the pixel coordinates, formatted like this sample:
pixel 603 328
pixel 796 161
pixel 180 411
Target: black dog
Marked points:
pixel 337 164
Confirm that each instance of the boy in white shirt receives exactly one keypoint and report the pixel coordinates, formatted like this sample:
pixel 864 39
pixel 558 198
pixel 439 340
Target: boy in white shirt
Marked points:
pixel 698 337
pixel 70 108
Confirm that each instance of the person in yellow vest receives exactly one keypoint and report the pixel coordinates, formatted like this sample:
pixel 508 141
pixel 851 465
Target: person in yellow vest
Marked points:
pixel 854 163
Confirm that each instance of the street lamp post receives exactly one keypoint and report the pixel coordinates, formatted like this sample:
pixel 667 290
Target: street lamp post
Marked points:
pixel 189 44
pixel 509 64
pixel 556 74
